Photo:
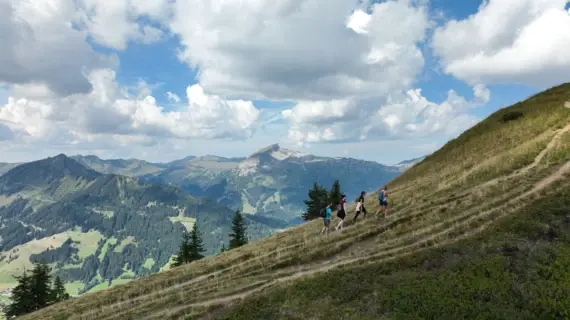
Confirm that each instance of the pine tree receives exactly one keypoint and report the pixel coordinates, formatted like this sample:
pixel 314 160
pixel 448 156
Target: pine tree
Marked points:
pixel 238 236
pixel 41 285
pixel 223 248
pixel 196 245
pixel 58 292
pixel 22 297
pixel 318 200
pixel 183 252
pixel 335 194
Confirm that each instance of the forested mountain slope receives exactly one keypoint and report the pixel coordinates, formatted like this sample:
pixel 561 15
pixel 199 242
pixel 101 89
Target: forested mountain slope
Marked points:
pixel 479 229
pixel 96 229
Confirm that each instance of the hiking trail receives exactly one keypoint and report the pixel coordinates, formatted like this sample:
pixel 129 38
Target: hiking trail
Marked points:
pixel 422 235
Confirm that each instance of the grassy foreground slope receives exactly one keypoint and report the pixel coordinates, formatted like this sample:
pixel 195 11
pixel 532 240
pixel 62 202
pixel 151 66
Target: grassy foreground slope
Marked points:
pixel 479 229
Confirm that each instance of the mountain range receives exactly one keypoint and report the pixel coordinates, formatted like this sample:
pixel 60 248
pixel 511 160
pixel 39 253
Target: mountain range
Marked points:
pixel 270 184
pixel 103 222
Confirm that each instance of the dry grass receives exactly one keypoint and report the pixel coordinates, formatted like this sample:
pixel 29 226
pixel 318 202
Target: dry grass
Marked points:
pixel 491 171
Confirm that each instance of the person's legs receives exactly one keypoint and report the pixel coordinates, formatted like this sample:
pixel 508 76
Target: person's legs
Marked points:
pixel 379 209
pixel 356 216
pixel 326 227
pixel 342 215
pixel 385 209
pixel 340 224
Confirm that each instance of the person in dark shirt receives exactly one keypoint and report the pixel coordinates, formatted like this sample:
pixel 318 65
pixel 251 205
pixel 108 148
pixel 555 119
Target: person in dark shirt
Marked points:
pixel 341 213
pixel 360 206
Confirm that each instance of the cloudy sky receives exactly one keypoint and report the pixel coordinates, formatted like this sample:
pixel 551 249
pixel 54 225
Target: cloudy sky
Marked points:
pixel 163 79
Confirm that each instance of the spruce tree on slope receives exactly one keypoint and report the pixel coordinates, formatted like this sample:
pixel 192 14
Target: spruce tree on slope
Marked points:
pixel 22 298
pixel 335 194
pixel 183 251
pixel 58 291
pixel 196 244
pixel 318 200
pixel 41 286
pixel 238 237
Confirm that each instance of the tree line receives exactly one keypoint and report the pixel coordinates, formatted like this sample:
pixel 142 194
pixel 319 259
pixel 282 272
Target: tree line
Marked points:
pixel 35 291
pixel 320 198
pixel 192 248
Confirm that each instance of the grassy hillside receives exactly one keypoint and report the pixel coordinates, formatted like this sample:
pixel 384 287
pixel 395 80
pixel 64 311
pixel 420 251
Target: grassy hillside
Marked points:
pixel 479 229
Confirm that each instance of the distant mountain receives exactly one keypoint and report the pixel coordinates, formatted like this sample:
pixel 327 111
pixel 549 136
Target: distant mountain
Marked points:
pixel 99 228
pixel 5 167
pixel 406 164
pixel 271 183
pixel 129 167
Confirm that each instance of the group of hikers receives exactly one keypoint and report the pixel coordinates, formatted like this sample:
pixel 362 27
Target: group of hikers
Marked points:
pixel 341 209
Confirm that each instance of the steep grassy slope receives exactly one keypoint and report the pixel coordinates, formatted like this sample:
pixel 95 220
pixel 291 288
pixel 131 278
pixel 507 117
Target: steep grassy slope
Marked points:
pixel 479 229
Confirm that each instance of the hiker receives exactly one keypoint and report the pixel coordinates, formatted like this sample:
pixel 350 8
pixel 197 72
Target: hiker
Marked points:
pixel 360 206
pixel 341 213
pixel 327 219
pixel 383 201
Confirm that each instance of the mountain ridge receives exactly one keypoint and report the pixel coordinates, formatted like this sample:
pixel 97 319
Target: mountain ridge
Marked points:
pixel 271 182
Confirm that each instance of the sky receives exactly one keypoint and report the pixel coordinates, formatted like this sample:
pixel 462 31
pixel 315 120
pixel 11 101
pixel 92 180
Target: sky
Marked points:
pixel 163 79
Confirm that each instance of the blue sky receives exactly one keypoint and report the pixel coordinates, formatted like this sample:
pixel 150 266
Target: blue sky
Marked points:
pixel 336 105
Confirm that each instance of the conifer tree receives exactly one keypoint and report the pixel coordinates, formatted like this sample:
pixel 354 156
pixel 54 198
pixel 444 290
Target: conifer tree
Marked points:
pixel 184 251
pixel 196 247
pixel 58 292
pixel 318 200
pixel 335 194
pixel 41 285
pixel 22 298
pixel 238 237
pixel 33 291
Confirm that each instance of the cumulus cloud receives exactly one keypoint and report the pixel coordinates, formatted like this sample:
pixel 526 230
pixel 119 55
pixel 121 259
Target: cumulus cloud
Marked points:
pixel 109 110
pixel 400 115
pixel 301 49
pixel 114 23
pixel 40 46
pixel 508 41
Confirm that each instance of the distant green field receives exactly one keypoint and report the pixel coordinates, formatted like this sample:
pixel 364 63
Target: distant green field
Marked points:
pixel 87 245
pixel 73 287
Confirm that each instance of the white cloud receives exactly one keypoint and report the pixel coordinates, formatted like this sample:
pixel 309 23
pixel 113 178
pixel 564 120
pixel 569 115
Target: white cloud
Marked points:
pixel 40 46
pixel 508 41
pixel 301 49
pixel 172 97
pixel 399 115
pixel 114 23
pixel 110 111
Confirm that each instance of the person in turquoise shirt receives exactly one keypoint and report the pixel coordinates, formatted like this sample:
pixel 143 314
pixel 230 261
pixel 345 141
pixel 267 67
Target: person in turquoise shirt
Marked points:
pixel 327 219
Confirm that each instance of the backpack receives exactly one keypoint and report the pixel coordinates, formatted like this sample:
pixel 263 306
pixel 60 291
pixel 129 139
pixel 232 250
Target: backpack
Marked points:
pixel 323 212
pixel 381 195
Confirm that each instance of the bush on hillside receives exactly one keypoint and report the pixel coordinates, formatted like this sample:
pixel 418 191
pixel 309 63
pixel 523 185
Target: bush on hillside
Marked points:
pixel 511 115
